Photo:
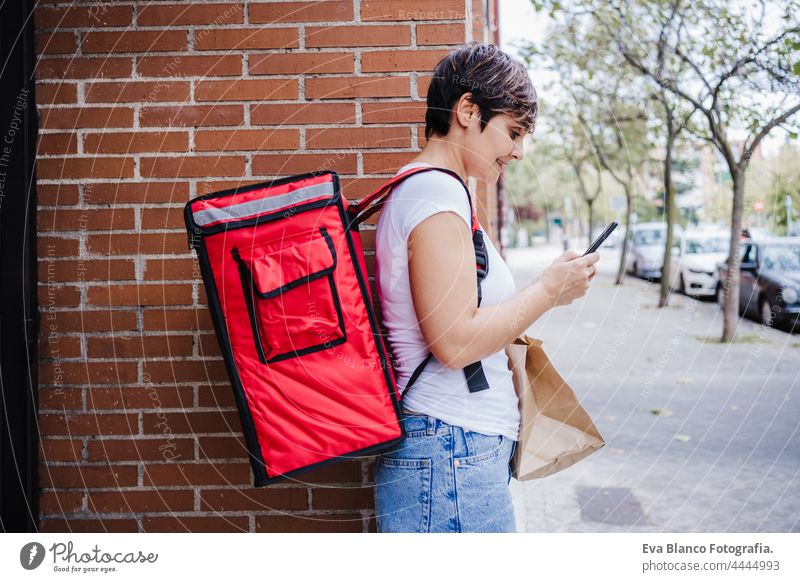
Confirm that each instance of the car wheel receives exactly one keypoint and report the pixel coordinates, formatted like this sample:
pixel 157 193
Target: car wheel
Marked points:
pixel 682 284
pixel 767 317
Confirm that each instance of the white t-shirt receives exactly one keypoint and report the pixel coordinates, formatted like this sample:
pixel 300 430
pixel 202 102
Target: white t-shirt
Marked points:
pixel 439 391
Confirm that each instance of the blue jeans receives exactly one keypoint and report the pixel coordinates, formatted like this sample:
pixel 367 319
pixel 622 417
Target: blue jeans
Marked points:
pixel 442 478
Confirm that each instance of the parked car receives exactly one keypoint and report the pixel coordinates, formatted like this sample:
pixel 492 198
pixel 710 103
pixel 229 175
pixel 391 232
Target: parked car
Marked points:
pixel 646 256
pixel 694 261
pixel 769 287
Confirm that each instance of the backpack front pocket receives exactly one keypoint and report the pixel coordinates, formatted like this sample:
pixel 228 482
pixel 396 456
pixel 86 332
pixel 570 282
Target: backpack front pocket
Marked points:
pixel 291 298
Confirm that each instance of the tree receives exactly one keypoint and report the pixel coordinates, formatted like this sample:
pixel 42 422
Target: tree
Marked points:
pixel 735 65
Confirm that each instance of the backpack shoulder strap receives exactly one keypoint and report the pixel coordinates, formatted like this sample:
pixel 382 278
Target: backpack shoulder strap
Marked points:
pixel 369 205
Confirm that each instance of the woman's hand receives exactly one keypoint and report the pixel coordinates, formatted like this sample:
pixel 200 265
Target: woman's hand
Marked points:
pixel 568 277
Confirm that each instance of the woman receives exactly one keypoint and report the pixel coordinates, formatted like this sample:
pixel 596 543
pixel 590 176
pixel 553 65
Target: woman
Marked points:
pixel 452 472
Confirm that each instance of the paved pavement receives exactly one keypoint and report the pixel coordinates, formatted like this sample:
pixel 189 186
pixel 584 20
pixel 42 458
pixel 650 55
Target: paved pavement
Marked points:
pixel 724 453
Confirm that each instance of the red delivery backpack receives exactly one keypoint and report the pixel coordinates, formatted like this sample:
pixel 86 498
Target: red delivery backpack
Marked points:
pixel 287 287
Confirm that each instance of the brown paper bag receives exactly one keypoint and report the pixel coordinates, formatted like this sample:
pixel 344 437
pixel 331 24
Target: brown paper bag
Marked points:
pixel 555 431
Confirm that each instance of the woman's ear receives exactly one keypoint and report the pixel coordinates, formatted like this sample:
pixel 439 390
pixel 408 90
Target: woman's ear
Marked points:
pixel 466 111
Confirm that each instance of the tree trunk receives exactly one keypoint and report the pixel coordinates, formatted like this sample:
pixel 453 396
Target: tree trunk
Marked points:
pixel 626 242
pixel 669 203
pixel 591 218
pixel 731 284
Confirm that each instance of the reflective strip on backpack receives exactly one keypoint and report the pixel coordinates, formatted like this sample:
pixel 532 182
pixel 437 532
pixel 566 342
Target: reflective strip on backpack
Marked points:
pixel 263 205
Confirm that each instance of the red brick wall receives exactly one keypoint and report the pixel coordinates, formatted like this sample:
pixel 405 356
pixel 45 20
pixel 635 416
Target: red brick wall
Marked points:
pixel 143 106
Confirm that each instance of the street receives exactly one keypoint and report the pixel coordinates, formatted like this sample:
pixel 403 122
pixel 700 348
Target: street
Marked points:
pixel 700 436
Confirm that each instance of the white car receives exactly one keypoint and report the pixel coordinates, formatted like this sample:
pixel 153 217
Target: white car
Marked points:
pixel 694 262
pixel 646 256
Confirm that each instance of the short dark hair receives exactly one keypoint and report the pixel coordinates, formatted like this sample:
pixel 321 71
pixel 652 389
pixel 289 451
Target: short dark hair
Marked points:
pixel 498 83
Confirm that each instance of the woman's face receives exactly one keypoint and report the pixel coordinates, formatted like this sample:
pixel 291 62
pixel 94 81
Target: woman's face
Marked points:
pixel 485 154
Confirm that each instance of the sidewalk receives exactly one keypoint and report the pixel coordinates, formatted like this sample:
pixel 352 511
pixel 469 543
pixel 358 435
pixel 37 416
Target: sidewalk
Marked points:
pixel 724 452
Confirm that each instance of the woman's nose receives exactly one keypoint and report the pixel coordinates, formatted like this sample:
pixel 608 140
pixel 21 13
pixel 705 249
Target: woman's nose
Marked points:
pixel 518 152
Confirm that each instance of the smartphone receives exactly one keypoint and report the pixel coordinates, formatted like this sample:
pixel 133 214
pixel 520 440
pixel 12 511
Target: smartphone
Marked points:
pixel 600 239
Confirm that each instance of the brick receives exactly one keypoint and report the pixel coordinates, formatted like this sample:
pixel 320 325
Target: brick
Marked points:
pixel 138 244
pixel 84 68
pixel 195 166
pixel 343 498
pixel 309 523
pixel 174 372
pixel 215 396
pixel 393 112
pixel 176 14
pixel 136 92
pixel 152 294
pixel 302 113
pixel 204 524
pixel 193 319
pixel 147 398
pixel 60 449
pixel 57 144
pixel 423 84
pixel 141 449
pixel 136 142
pixel 302 63
pixel 55 346
pixel 246 90
pixel 138 346
pixel 222 447
pixel 57 194
pixel 189 66
pixel 87 372
pixel 340 472
pixel 83 16
pixel 407 60
pixel 72 167
pixel 196 474
pixel 352 36
pixel 280 12
pixel 134 41
pixel 247 39
pixel 88 270
pixel 191 423
pixel 60 398
pixel 92 423
pixel 88 320
pixel 79 220
pixel 60 502
pixel 440 34
pixel 75 118
pixel 358 138
pixel 208 186
pixel 283 498
pixel 110 525
pixel 52 93
pixel 55 43
pixel 51 296
pixel 140 500
pixel 282 164
pixel 386 163
pixel 247 140
pixel 142 192
pixel 209 347
pixel 167 269
pixel 89 476
pixel 162 218
pixel 372 10
pixel 353 87
pixel 191 116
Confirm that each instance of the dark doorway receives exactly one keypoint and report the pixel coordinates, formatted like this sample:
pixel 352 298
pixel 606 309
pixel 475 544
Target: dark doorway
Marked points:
pixel 19 456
